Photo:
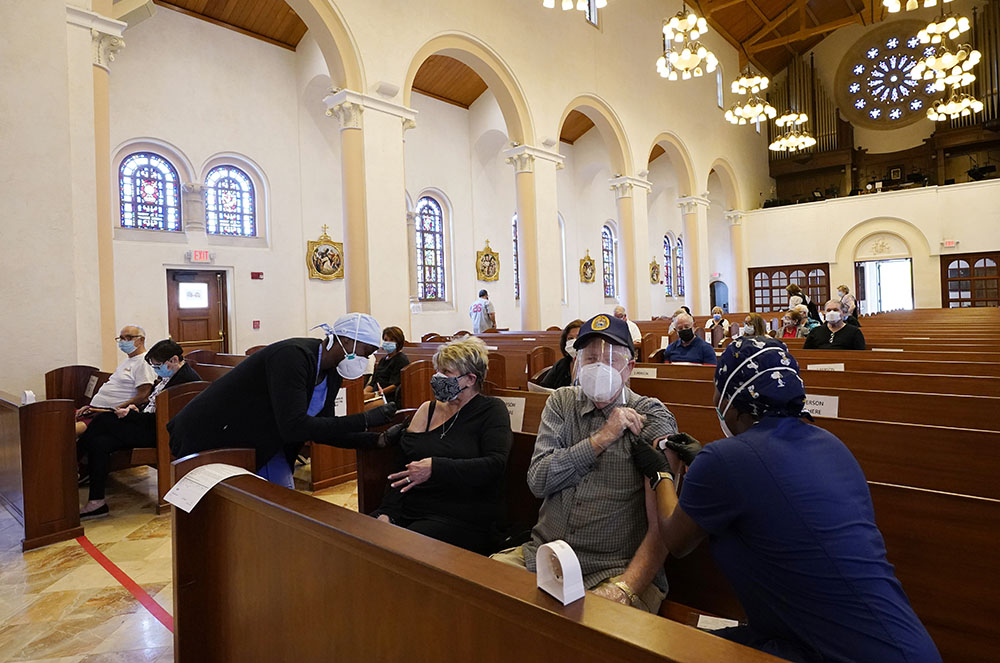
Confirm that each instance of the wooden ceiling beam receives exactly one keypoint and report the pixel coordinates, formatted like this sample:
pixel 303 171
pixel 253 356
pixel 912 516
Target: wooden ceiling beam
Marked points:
pixel 712 7
pixel 804 34
pixel 734 42
pixel 771 25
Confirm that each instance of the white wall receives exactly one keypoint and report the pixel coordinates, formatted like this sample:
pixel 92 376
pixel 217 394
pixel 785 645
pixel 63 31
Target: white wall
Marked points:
pixel 204 99
pixel 664 217
pixel 720 246
pixel 836 231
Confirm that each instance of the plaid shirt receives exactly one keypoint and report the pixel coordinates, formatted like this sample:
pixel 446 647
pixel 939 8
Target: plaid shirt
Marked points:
pixel 595 503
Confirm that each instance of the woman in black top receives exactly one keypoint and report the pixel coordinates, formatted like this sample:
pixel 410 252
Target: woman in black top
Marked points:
pixel 129 427
pixel 386 376
pixel 561 373
pixel 451 461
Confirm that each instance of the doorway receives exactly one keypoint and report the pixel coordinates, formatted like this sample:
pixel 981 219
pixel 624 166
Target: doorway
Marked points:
pixel 197 309
pixel 884 285
pixel 719 295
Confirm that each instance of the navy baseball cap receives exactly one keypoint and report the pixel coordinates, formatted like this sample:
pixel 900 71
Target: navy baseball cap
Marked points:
pixel 606 326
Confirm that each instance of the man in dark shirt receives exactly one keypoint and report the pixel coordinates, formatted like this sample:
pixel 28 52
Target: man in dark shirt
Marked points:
pixel 835 334
pixel 688 348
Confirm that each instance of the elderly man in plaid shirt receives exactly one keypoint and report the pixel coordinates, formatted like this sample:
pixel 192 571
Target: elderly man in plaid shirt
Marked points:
pixel 583 467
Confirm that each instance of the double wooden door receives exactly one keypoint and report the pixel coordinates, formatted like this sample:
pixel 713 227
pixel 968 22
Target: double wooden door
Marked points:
pixel 197 308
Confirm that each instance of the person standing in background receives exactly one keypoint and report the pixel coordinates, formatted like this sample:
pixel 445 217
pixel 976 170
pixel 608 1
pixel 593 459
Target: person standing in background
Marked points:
pixel 483 313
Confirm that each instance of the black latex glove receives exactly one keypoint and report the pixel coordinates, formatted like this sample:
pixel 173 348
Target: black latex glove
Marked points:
pixel 380 416
pixel 682 444
pixel 391 436
pixel 648 460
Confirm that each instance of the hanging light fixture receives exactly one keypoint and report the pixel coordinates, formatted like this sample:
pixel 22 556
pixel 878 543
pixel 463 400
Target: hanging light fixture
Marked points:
pixel 958 105
pixel 894 6
pixel 950 25
pixel 755 108
pixel 948 67
pixel 683 55
pixel 945 67
pixel 795 137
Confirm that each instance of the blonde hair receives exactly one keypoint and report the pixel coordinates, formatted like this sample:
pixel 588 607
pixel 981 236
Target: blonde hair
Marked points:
pixel 844 288
pixel 716 308
pixel 758 324
pixel 467 355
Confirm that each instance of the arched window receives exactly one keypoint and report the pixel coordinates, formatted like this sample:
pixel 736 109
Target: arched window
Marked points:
pixel 679 266
pixel 608 262
pixel 430 250
pixel 517 274
pixel 668 261
pixel 230 204
pixel 762 292
pixel 720 99
pixel 779 296
pixel 150 193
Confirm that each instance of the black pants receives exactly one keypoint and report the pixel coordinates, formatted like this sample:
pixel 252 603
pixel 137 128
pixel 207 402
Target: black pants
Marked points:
pixel 457 534
pixel 106 434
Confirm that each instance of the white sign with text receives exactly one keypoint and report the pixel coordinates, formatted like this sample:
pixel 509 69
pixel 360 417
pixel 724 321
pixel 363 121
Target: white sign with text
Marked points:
pixel 644 372
pixel 823 406
pixel 825 367
pixel 515 408
pixel 340 403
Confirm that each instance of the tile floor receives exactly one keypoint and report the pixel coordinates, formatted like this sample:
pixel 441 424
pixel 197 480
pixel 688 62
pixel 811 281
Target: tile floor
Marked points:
pixel 57 605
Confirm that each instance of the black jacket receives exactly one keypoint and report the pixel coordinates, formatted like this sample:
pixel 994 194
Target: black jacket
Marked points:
pixel 387 372
pixel 559 374
pixel 261 404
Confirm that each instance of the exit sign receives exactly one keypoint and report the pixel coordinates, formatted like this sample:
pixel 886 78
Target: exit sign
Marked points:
pixel 949 243
pixel 197 256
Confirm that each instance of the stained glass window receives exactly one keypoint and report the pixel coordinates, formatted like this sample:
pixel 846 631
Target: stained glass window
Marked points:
pixel 430 249
pixel 668 260
pixel 875 86
pixel 150 193
pixel 608 262
pixel 230 207
pixel 517 274
pixel 679 264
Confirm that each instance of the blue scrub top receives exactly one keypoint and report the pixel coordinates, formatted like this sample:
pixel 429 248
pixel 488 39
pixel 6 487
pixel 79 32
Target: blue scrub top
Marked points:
pixel 792 526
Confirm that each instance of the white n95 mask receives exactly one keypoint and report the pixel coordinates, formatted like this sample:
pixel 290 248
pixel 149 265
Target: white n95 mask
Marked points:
pixel 599 382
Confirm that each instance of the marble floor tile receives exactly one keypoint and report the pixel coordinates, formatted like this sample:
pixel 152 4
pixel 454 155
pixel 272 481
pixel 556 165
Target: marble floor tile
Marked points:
pixel 145 572
pixel 138 631
pixel 51 607
pixel 116 528
pixel 70 637
pixel 130 551
pixel 14 637
pixel 61 659
pixel 157 528
pixel 153 655
pixel 88 575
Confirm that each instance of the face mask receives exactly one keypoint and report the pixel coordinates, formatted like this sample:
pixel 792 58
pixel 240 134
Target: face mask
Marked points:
pixel 351 367
pixel 842 294
pixel 787 322
pixel 389 346
pixel 570 350
pixel 163 370
pixel 748 330
pixel 686 334
pixel 717 317
pixel 128 347
pixel 833 316
pixel 599 382
pixel 445 389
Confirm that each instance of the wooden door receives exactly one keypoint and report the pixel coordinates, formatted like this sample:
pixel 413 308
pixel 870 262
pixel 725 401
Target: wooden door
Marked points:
pixel 196 305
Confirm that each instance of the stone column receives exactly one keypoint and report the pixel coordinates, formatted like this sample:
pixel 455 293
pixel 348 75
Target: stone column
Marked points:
pixel 695 211
pixel 741 294
pixel 630 197
pixel 105 37
pixel 374 195
pixel 411 260
pixel 193 195
pixel 537 226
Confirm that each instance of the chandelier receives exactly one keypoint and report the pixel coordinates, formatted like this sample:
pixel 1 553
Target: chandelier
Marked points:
pixel 754 108
pixel 691 60
pixel 893 6
pixel 746 82
pixel 947 68
pixel 582 5
pixel 950 25
pixel 793 139
pixel 958 105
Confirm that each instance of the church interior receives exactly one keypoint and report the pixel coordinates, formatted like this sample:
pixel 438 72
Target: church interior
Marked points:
pixel 228 174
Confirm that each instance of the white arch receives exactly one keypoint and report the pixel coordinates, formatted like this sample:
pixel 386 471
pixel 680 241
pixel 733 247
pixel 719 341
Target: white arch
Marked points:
pixel 262 186
pixel 173 154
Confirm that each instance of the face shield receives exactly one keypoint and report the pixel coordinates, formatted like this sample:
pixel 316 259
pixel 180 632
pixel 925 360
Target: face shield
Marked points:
pixel 601 369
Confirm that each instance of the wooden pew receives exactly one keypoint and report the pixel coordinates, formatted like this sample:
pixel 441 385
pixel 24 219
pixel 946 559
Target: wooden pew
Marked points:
pixel 38 469
pixel 241 551
pixel 78 383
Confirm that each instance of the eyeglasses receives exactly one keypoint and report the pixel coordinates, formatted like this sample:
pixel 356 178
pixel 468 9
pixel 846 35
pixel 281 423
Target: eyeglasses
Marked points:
pixel 127 337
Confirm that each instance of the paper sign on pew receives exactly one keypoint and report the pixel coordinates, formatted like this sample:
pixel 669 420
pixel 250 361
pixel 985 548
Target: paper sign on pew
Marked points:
pixel 664 342
pixel 887 349
pixel 193 486
pixel 823 406
pixel 825 367
pixel 91 384
pixel 515 408
pixel 644 372
pixel 340 403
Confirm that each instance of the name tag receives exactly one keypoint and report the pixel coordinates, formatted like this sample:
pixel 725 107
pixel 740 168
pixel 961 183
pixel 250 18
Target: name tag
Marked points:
pixel 887 349
pixel 515 408
pixel 823 406
pixel 644 372
pixel 825 367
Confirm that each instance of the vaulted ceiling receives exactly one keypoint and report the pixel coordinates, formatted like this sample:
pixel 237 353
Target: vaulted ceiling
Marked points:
pixel 272 21
pixel 769 33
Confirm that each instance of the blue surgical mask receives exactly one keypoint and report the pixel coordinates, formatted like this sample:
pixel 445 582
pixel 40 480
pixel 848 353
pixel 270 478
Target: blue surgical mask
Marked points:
pixel 128 347
pixel 163 371
pixel 717 317
pixel 388 346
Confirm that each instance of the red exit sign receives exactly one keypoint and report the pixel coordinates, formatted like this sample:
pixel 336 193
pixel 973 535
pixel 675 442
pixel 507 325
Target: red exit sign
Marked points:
pixel 949 243
pixel 200 256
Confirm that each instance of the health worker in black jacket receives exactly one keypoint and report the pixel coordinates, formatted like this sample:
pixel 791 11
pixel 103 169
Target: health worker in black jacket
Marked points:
pixel 282 396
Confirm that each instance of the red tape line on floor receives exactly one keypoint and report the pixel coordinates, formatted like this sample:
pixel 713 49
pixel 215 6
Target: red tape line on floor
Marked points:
pixel 133 588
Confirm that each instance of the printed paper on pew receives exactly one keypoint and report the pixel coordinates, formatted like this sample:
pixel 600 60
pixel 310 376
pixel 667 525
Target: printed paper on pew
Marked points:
pixel 187 492
pixel 916 338
pixel 887 349
pixel 664 342
pixel 708 337
pixel 644 372
pixel 823 406
pixel 529 339
pixel 515 408
pixel 707 623
pixel 825 367
pixel 340 403
pixel 492 347
pixel 91 385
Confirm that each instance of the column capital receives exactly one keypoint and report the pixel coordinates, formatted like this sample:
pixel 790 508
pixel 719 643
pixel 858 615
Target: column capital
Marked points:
pixel 411 218
pixel 105 34
pixel 735 217
pixel 522 157
pixel 348 106
pixel 690 204
pixel 623 185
